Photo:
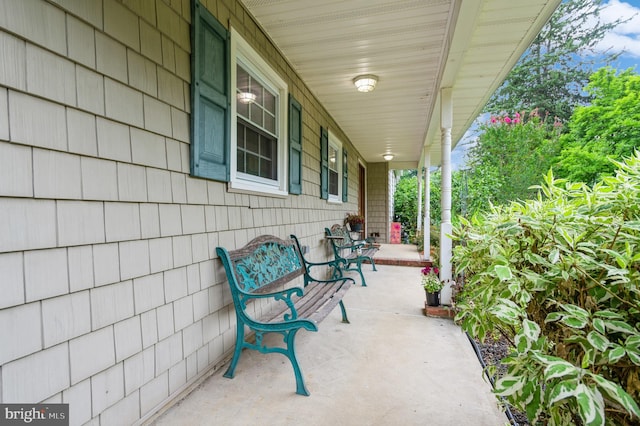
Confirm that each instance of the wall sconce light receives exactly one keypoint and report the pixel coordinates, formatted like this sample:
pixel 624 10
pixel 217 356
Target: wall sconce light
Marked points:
pixel 246 97
pixel 365 83
pixel 387 157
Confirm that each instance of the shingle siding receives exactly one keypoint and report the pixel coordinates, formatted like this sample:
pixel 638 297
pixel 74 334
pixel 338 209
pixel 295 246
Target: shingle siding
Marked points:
pixel 111 288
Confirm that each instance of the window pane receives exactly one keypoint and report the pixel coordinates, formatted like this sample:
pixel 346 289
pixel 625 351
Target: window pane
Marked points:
pixel 269 122
pixel 333 158
pixel 269 102
pixel 253 164
pixel 257 152
pixel 333 182
pixel 251 141
pixel 256 114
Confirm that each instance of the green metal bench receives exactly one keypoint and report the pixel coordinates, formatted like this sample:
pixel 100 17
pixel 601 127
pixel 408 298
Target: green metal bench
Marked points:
pixel 260 270
pixel 352 253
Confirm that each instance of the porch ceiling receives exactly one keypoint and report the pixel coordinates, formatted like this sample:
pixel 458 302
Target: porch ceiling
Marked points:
pixel 415 47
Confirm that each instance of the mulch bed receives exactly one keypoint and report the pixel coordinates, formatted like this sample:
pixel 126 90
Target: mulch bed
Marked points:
pixel 491 352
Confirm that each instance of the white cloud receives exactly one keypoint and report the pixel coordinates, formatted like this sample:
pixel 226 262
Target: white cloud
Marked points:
pixel 625 37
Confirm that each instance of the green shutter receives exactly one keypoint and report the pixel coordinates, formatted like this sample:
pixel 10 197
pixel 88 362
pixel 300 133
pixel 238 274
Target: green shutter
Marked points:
pixel 324 163
pixel 345 176
pixel 295 146
pixel 210 91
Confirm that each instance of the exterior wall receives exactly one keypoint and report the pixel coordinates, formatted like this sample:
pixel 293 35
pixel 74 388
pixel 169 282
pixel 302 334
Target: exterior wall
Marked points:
pixel 112 297
pixel 378 200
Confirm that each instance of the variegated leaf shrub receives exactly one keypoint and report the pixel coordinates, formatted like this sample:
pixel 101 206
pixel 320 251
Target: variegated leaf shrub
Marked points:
pixel 559 277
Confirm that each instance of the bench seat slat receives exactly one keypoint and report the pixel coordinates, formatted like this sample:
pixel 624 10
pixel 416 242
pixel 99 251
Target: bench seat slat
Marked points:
pixel 318 301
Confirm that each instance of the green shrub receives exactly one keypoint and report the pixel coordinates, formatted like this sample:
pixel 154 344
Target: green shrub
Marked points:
pixel 559 277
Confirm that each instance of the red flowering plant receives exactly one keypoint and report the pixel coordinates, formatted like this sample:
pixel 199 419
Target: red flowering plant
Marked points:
pixel 430 279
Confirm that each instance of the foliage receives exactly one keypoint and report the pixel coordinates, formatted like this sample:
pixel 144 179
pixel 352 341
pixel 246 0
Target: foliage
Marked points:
pixel 353 219
pixel 457 198
pixel 559 276
pixel 552 72
pixel 418 240
pixel 609 128
pixel 405 202
pixel 430 279
pixel 510 155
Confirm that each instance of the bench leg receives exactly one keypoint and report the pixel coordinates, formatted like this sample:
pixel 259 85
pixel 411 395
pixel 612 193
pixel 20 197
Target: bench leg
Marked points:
pixel 301 389
pixel 238 350
pixel 344 313
pixel 373 264
pixel 359 265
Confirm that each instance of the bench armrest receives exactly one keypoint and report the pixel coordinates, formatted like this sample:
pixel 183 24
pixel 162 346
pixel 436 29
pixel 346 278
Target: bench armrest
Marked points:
pixel 285 296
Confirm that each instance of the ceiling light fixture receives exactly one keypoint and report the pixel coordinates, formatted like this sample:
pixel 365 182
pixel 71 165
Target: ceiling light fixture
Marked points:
pixel 387 157
pixel 365 83
pixel 246 97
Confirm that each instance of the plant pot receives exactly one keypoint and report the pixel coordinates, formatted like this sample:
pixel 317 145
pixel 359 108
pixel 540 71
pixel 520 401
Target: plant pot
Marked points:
pixel 356 227
pixel 433 299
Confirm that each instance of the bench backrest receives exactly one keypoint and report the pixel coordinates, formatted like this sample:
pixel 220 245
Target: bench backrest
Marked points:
pixel 264 263
pixel 341 231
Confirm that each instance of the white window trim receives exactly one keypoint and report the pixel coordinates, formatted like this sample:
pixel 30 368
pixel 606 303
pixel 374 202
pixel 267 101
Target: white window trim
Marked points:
pixel 337 144
pixel 242 52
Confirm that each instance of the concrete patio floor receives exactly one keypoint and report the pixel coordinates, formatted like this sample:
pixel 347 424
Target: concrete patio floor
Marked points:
pixel 390 366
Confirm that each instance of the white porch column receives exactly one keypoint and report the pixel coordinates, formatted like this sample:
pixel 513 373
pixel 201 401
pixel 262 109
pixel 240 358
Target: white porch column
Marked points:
pixel 427 207
pixel 446 122
pixel 419 201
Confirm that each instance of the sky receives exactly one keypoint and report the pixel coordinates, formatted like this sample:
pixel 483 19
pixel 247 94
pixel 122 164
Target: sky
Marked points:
pixel 624 38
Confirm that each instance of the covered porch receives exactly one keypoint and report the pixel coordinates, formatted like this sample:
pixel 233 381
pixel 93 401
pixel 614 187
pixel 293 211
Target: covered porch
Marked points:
pixel 390 365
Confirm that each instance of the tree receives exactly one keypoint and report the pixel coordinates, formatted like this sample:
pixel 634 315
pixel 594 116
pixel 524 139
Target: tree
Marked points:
pixel 551 74
pixel 511 154
pixel 607 129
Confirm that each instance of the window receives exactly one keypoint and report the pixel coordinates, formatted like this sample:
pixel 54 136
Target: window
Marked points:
pixel 259 122
pixel 334 171
pixel 333 168
pixel 239 114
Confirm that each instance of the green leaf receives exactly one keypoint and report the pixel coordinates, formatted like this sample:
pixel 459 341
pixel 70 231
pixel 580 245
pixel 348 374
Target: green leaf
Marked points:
pixel 590 406
pixel 560 368
pixel 522 343
pixel 553 316
pixel 620 326
pixel 616 354
pixel 530 329
pixel 506 311
pixel 554 256
pixel 617 393
pixel 535 407
pixel 598 325
pixel 509 385
pixel 575 311
pixel 633 341
pixel 607 314
pixel 634 357
pixel 574 322
pixel 503 272
pixel 598 341
pixel 564 389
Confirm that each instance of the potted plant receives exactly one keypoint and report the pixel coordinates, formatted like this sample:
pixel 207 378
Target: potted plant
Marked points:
pixel 355 221
pixel 431 284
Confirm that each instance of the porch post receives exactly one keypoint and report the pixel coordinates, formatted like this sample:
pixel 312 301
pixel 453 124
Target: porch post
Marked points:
pixel 446 122
pixel 427 207
pixel 419 217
